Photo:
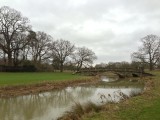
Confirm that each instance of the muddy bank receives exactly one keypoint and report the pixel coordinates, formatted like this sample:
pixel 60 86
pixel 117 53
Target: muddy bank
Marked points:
pixel 12 91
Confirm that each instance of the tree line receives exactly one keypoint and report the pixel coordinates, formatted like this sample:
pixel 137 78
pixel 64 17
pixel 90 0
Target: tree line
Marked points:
pixel 20 45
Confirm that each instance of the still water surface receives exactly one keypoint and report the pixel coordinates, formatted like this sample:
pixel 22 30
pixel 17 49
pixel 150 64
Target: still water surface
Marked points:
pixel 53 104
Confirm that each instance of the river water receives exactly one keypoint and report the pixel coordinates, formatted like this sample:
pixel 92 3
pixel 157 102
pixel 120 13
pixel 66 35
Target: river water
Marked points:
pixel 53 104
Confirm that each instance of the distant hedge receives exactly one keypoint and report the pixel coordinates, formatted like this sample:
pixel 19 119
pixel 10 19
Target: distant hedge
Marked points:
pixel 29 68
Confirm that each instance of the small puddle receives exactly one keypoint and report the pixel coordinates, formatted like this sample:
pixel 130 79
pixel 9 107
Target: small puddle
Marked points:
pixel 53 104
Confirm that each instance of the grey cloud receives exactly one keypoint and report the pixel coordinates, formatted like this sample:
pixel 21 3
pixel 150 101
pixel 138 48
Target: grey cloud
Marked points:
pixel 111 28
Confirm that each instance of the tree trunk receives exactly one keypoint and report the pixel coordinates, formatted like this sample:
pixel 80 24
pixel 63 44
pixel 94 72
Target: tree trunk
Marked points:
pixel 150 63
pixel 79 66
pixel 4 58
pixel 9 58
pixel 15 58
pixel 150 66
pixel 61 66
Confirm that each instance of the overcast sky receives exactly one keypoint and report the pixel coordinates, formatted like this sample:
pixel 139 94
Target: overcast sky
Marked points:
pixel 111 28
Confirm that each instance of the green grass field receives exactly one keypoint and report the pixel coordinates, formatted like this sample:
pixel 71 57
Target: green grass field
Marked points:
pixel 35 77
pixel 146 107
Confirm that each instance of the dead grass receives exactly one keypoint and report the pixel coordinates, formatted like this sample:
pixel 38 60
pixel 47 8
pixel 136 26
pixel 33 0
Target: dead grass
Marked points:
pixel 79 110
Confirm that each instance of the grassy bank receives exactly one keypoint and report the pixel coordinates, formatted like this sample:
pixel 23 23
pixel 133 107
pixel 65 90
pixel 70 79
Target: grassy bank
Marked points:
pixel 9 79
pixel 143 107
pixel 16 84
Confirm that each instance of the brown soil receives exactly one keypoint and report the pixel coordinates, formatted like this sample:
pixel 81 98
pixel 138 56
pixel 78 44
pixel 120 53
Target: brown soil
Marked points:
pixel 11 91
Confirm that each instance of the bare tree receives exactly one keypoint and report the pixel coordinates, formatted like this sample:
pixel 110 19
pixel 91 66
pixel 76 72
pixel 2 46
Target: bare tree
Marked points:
pixel 20 41
pixel 27 50
pixel 149 52
pixel 11 22
pixel 83 56
pixel 40 47
pixel 61 49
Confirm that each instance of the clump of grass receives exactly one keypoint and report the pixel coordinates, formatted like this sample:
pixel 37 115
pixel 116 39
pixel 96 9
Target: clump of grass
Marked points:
pixel 79 110
pixel 149 85
pixel 90 106
pixel 76 112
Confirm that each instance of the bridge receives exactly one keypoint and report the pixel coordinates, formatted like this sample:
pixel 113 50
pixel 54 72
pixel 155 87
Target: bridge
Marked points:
pixel 121 72
pixel 130 70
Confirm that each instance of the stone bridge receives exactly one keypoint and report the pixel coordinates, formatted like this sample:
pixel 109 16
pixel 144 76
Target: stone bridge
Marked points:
pixel 121 72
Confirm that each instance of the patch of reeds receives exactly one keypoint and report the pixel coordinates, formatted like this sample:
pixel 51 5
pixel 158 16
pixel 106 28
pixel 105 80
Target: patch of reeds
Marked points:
pixel 79 110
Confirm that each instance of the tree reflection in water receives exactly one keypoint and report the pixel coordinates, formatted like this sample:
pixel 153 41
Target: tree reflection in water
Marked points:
pixel 40 105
